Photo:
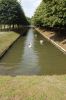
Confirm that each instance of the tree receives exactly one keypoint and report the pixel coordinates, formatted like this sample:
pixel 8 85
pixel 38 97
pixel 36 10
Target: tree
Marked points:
pixel 50 13
pixel 11 13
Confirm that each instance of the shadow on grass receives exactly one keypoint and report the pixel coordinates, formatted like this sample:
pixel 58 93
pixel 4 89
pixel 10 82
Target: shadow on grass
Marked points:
pixel 22 31
pixel 60 34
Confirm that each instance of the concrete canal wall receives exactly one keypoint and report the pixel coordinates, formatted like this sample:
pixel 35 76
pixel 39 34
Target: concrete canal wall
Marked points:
pixel 7 39
pixel 7 42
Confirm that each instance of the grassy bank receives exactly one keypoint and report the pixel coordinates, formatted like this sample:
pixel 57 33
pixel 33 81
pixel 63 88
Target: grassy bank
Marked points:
pixel 33 88
pixel 6 39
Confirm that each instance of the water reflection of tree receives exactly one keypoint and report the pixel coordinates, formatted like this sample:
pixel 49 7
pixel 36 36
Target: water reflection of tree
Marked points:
pixel 12 59
pixel 14 55
pixel 51 60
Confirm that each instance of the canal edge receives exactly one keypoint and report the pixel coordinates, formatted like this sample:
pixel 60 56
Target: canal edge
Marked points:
pixel 11 44
pixel 53 42
pixel 6 49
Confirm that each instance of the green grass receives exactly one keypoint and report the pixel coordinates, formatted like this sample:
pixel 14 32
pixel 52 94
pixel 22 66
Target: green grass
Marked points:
pixel 33 87
pixel 6 39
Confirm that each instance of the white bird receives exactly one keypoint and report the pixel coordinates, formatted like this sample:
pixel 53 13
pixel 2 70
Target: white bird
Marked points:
pixel 30 45
pixel 41 41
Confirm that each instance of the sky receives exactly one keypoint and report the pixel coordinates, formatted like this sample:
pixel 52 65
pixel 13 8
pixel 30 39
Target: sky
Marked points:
pixel 29 6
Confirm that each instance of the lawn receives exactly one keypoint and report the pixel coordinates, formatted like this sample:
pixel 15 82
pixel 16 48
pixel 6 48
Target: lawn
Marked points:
pixel 6 39
pixel 33 87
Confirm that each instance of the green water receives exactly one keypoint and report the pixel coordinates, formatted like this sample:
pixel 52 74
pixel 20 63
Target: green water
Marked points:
pixel 40 59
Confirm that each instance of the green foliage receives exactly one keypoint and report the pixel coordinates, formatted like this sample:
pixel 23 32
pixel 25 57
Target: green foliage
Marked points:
pixel 11 12
pixel 29 20
pixel 50 13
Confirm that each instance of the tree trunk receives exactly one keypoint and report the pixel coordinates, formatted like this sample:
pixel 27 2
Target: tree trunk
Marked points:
pixel 1 27
pixel 13 26
pixel 4 26
pixel 9 27
pixel 18 26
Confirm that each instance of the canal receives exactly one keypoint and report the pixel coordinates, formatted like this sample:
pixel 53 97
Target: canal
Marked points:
pixel 37 59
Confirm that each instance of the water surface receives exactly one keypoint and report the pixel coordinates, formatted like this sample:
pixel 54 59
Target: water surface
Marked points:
pixel 40 59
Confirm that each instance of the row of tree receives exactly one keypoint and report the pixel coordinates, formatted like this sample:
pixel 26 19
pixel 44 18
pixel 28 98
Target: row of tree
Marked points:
pixel 50 13
pixel 11 13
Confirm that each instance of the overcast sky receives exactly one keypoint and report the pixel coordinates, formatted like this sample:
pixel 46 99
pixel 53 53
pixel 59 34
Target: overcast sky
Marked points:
pixel 29 6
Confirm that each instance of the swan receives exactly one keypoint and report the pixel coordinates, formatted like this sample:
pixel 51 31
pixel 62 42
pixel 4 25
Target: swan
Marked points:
pixel 41 41
pixel 30 45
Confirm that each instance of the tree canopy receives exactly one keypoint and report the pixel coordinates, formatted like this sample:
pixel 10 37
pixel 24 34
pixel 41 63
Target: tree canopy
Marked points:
pixel 50 13
pixel 12 13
